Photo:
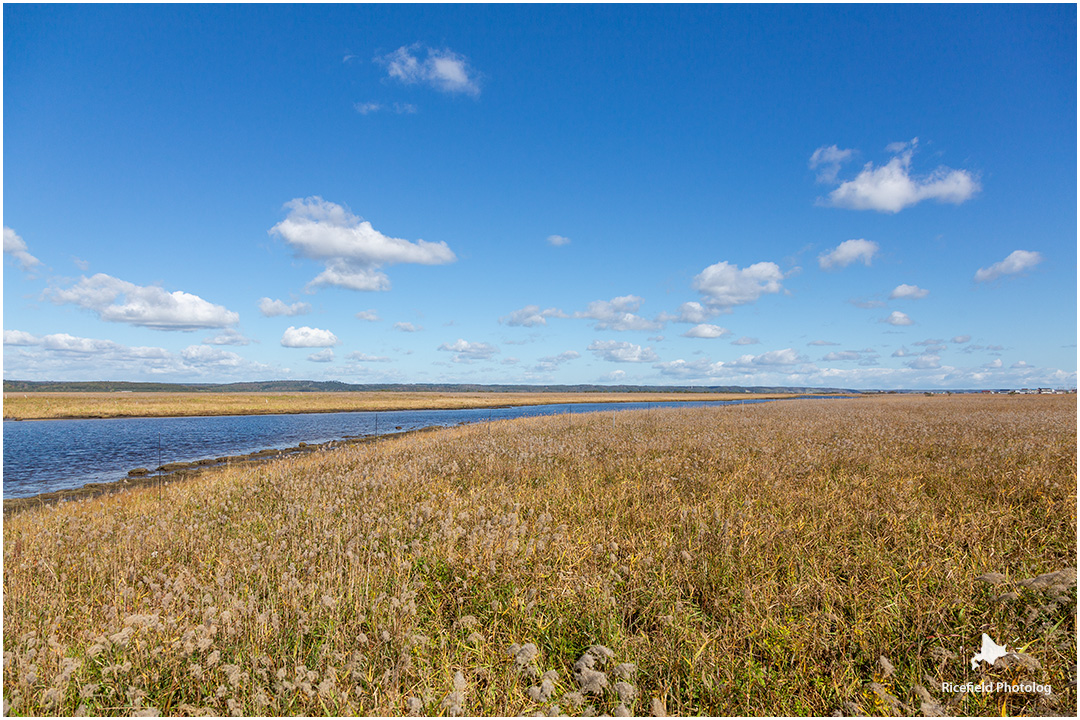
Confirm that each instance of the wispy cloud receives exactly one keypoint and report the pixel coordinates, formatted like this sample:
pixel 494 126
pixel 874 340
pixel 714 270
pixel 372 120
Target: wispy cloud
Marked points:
pixel 551 363
pixel 468 352
pixel 368 315
pixel 558 240
pixel 229 336
pixel 443 69
pixel 397 108
pixel 892 187
pixel 1018 261
pixel 408 327
pixel 827 161
pixel 15 246
pixel 275 308
pixel 116 300
pixel 847 252
pixel 323 356
pixel 623 352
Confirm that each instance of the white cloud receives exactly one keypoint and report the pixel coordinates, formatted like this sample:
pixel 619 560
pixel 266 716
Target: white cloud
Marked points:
pixel 848 252
pixel 116 300
pixel 530 316
pixel 408 327
pixel 613 376
pixel 821 343
pixel 867 304
pixel 690 312
pixel 374 107
pixel 706 331
pixel 898 318
pixel 549 364
pixel 614 351
pixel 274 308
pixel 443 69
pixel 1017 261
pixel 618 314
pixel 746 341
pixel 725 285
pixel 829 159
pixel 352 250
pixel 368 315
pixel 308 337
pixel 908 292
pixel 558 240
pixel 467 352
pixel 15 246
pixel 993 364
pixel 228 336
pixel 1020 365
pixel 20 337
pixel 924 362
pixel 787 356
pixel 323 356
pixel 63 356
pixel 961 339
pixel 902 352
pixel 363 357
pixel 892 187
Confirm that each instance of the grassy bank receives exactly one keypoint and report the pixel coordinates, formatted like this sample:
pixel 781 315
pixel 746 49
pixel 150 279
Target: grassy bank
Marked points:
pixel 51 405
pixel 746 560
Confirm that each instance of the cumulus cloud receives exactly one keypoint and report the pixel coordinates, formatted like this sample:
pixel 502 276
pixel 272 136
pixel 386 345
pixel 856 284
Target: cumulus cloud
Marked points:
pixel 444 69
pixel 771 361
pixel 706 331
pixel 690 312
pixel 274 308
pixel 1017 261
pixel 308 337
pixel 908 292
pixel 898 318
pixel 892 187
pixel 618 314
pixel 961 339
pixel 615 351
pixel 993 364
pixel 558 240
pixel 408 327
pixel 848 252
pixel 368 315
pixel 15 246
pixel 746 341
pixel 467 352
pixel 530 316
pixel 351 249
pixel 323 356
pixel 725 285
pixel 827 161
pixel 116 300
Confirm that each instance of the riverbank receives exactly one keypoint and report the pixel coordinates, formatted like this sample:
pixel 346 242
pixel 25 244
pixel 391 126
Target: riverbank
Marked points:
pixel 794 558
pixel 65 406
pixel 176 471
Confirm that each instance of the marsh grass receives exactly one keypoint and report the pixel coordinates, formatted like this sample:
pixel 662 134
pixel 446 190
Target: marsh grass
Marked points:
pixel 46 405
pixel 742 560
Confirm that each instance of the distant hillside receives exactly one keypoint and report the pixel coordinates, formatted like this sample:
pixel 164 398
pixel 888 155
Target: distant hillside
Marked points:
pixel 335 386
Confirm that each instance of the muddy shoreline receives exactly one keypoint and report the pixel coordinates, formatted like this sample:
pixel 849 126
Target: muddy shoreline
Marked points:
pixel 176 471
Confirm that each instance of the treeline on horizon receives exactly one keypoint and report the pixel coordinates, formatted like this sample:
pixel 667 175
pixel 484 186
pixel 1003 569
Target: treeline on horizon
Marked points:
pixel 337 386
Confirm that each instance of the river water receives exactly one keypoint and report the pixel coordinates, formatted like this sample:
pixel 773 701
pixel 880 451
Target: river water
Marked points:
pixel 48 455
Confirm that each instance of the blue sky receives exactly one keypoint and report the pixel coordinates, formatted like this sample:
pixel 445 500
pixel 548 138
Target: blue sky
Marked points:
pixel 845 196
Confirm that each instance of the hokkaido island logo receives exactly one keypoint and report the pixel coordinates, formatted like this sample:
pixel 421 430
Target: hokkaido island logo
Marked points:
pixel 990 652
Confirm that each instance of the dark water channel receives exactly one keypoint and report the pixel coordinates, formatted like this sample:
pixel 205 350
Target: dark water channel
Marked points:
pixel 48 455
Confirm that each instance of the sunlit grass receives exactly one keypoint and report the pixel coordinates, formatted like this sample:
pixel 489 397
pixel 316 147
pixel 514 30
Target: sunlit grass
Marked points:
pixel 743 560
pixel 45 405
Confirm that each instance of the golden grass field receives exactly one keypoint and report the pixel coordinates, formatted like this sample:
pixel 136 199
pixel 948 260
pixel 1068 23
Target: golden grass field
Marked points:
pixel 46 405
pixel 797 558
